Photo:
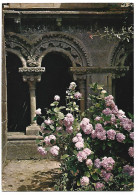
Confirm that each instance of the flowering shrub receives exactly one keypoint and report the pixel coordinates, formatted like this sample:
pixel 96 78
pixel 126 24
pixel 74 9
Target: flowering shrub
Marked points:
pixel 95 147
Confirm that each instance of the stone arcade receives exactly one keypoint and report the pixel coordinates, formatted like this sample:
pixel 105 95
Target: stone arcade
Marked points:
pixel 34 32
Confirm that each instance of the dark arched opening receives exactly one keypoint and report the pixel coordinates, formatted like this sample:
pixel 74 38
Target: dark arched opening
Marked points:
pixel 18 103
pixel 54 81
pixel 124 88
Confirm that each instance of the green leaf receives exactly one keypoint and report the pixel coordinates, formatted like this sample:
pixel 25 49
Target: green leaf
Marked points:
pixel 52 127
pixel 60 115
pixel 52 104
pixel 62 107
pixel 95 176
pixel 87 174
pixel 59 133
pixel 78 182
pixel 56 109
pixel 104 146
pixel 75 152
pixel 35 118
pixel 109 144
pixel 64 156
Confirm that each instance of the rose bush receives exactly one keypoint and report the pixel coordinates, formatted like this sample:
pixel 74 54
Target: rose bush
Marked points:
pixel 95 147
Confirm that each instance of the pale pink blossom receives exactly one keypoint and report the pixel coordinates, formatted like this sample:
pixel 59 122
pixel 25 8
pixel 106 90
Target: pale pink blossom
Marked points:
pixel 58 128
pixel 88 129
pixel 120 137
pixel 107 111
pixel 131 135
pixel 57 98
pixel 108 163
pixel 108 177
pixel 38 111
pixel 127 124
pixel 131 151
pixel 81 156
pixel 93 134
pixel 79 145
pixel 48 122
pixel 100 132
pixel 75 139
pixel 110 103
pixel 52 137
pixel 115 110
pixel 87 151
pixel 99 186
pixel 79 135
pixel 47 140
pixel 68 120
pixel 84 181
pixel 129 170
pixel 72 85
pixel 98 118
pixel 54 150
pixel 89 162
pixel 101 135
pixel 80 139
pixel 97 163
pixel 111 134
pixel 69 129
pixel 113 119
pixel 77 95
pixel 109 97
pixel 41 150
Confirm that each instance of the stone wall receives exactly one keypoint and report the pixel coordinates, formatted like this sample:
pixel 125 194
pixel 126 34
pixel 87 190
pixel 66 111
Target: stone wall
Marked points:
pixel 4 101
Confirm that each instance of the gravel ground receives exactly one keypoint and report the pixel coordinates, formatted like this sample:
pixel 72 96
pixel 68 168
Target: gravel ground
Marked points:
pixel 30 175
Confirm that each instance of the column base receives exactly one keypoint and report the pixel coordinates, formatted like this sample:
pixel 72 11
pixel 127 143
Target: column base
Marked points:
pixel 32 129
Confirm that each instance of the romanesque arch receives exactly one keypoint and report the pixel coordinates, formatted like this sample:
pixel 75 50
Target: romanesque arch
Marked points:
pixel 123 83
pixel 34 50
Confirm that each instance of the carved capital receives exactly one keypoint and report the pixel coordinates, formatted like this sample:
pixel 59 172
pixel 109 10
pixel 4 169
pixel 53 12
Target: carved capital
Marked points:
pixel 32 73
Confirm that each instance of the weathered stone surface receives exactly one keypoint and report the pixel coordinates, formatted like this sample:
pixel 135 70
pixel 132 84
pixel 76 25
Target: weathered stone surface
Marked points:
pixel 30 175
pixel 32 130
pixel 4 111
pixel 24 149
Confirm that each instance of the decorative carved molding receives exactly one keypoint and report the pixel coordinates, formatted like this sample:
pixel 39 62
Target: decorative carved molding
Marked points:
pixel 32 73
pixel 33 50
pixel 120 53
pixel 116 72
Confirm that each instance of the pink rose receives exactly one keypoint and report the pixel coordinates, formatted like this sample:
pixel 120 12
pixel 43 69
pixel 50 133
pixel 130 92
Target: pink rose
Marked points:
pixel 131 151
pixel 79 145
pixel 120 137
pixel 77 95
pixel 89 162
pixel 41 150
pixel 38 111
pixel 84 181
pixel 57 98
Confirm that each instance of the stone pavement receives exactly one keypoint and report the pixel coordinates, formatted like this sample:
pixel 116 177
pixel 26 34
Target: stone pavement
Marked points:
pixel 30 175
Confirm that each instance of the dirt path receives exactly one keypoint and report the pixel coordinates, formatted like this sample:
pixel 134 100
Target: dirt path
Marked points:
pixel 30 175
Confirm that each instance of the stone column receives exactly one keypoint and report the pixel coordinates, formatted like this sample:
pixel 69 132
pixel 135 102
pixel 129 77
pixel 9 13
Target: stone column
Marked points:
pixel 32 75
pixel 32 87
pixel 33 129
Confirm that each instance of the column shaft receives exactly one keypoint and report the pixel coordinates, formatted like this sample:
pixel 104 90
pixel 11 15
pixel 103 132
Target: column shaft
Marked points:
pixel 32 100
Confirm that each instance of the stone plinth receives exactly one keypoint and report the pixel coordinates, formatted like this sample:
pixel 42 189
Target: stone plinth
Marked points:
pixel 32 129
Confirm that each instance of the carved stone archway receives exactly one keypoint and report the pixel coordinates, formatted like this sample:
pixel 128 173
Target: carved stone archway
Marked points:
pixel 118 60
pixel 32 52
